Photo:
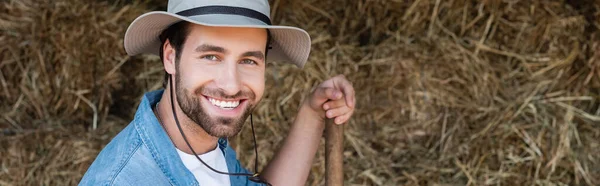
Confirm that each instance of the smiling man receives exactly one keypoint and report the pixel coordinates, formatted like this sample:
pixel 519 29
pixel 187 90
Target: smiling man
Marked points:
pixel 214 54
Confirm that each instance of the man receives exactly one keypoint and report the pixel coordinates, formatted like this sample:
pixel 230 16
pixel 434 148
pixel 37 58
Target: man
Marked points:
pixel 214 54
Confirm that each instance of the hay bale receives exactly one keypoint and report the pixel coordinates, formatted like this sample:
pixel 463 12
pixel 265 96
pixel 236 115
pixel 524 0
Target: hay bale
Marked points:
pixel 449 92
pixel 61 61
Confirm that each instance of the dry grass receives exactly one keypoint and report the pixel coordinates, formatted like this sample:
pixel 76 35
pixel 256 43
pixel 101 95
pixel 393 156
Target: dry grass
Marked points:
pixel 449 92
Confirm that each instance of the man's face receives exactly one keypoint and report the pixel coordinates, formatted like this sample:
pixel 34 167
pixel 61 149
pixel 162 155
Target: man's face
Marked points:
pixel 220 76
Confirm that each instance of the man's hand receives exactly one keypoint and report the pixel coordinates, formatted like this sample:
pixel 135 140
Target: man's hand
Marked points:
pixel 334 99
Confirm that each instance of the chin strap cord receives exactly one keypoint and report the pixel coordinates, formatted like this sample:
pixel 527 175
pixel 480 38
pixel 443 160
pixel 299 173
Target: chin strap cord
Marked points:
pixel 252 177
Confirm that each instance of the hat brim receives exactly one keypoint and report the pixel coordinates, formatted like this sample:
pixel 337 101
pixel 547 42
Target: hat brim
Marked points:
pixel 289 44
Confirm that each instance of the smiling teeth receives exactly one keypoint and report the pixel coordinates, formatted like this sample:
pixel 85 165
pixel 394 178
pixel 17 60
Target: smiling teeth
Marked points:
pixel 224 104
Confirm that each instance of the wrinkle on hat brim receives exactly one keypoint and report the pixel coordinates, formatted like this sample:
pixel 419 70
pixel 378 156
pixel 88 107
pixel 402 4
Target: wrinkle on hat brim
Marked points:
pixel 289 44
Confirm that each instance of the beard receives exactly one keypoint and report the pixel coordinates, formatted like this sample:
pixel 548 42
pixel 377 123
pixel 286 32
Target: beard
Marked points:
pixel 221 127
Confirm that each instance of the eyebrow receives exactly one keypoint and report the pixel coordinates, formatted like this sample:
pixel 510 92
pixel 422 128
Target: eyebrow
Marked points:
pixel 213 48
pixel 210 48
pixel 256 54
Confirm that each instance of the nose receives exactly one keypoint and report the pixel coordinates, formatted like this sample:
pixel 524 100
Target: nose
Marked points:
pixel 228 79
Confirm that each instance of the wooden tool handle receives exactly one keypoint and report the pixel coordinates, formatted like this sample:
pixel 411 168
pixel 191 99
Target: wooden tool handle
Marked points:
pixel 334 148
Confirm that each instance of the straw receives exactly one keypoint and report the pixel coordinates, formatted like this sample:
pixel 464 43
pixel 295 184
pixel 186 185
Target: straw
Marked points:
pixel 448 92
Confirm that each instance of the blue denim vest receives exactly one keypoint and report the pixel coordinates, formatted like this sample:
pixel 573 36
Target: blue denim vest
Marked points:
pixel 143 154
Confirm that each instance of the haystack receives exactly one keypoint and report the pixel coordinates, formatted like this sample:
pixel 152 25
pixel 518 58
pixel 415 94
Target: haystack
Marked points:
pixel 460 92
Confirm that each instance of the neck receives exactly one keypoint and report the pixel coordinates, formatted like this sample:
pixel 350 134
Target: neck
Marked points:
pixel 200 141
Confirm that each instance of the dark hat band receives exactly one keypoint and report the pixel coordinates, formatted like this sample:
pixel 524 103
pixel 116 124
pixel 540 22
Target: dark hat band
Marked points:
pixel 246 12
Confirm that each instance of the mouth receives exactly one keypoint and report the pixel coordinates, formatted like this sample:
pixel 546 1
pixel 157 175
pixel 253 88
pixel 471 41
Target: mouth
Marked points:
pixel 224 104
pixel 225 107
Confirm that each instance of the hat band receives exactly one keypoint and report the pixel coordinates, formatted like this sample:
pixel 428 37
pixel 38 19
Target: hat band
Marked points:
pixel 246 12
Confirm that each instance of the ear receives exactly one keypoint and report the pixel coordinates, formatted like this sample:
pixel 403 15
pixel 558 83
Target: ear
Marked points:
pixel 169 57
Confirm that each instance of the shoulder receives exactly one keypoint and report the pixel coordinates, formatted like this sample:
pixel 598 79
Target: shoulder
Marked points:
pixel 124 161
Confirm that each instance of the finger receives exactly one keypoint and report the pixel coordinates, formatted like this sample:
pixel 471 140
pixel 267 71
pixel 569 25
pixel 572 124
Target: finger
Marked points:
pixel 337 112
pixel 334 104
pixel 347 88
pixel 325 93
pixel 343 118
pixel 321 95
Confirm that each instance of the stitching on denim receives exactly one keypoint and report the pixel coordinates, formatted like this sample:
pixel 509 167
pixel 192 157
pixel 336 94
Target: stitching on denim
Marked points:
pixel 155 156
pixel 153 151
pixel 124 162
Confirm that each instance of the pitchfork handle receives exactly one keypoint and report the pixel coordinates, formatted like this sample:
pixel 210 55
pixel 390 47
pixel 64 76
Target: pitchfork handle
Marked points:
pixel 334 148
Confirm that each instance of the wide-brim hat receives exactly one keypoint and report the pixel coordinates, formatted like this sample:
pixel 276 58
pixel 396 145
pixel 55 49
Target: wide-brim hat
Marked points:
pixel 288 44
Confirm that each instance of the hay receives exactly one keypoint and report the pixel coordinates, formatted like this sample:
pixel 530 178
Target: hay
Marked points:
pixel 449 92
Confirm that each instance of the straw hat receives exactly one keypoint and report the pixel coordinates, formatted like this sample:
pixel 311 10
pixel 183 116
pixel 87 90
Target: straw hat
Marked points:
pixel 289 44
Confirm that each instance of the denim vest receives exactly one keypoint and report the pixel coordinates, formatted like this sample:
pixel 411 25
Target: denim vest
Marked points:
pixel 143 154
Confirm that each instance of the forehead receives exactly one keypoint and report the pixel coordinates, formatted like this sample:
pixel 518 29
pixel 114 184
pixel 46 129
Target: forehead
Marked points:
pixel 228 37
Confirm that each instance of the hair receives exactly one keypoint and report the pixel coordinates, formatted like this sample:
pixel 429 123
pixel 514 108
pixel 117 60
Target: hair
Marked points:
pixel 176 34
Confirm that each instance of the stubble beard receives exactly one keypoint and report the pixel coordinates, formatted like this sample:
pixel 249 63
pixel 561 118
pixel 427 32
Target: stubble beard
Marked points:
pixel 220 127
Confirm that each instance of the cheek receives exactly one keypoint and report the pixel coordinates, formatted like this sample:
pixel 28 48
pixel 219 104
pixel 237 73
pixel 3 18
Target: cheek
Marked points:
pixel 256 82
pixel 194 76
pixel 260 88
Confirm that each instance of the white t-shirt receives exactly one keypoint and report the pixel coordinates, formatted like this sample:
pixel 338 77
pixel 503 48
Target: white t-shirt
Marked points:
pixel 205 176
